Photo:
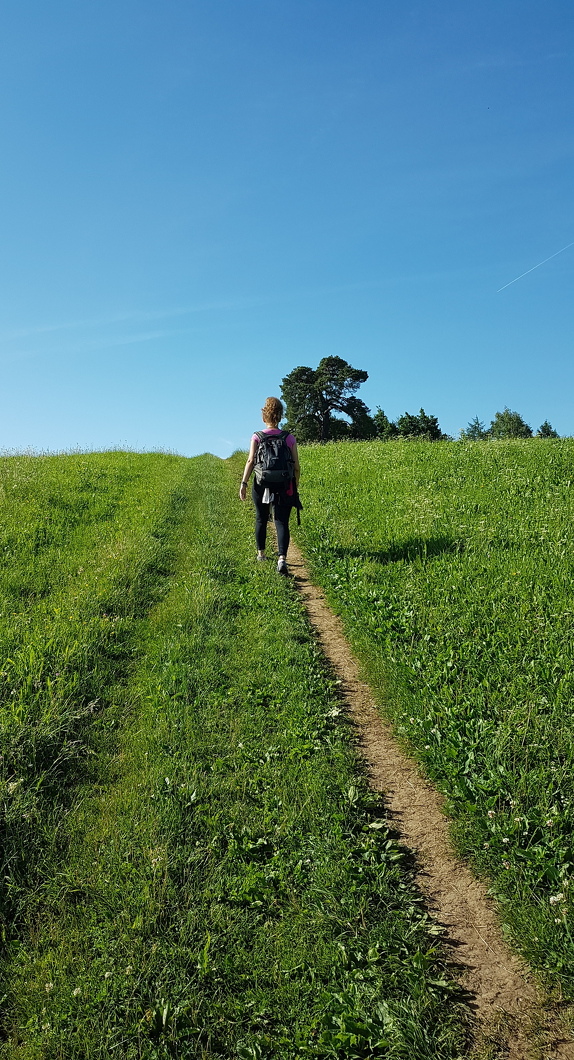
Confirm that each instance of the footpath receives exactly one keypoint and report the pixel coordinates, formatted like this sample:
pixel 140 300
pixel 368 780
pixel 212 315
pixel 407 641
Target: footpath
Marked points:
pixel 512 1014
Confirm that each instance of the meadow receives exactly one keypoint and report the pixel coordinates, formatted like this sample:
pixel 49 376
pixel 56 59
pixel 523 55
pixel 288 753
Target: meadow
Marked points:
pixel 452 567
pixel 192 863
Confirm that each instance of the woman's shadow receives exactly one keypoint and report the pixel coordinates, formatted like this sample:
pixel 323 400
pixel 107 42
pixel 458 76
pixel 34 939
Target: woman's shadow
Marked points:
pixel 415 548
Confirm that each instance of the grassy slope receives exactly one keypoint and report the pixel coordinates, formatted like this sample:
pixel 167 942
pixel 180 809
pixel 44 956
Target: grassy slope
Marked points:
pixel 452 566
pixel 217 883
pixel 83 544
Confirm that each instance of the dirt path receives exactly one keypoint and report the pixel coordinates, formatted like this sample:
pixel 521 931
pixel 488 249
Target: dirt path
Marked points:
pixel 510 1014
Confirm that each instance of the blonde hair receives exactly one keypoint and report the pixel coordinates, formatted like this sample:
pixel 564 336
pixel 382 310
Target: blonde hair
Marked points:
pixel 272 411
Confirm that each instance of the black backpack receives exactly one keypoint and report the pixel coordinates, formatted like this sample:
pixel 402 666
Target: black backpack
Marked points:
pixel 274 460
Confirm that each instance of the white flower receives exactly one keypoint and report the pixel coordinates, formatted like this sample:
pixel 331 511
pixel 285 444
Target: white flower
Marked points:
pixel 76 992
pixel 107 975
pixel 555 898
pixel 48 987
pixel 506 839
pixel 491 814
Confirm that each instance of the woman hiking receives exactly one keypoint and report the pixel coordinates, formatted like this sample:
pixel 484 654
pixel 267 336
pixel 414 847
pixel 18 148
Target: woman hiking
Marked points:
pixel 275 482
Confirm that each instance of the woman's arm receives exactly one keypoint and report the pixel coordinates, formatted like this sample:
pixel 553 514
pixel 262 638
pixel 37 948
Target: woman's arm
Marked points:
pixel 248 468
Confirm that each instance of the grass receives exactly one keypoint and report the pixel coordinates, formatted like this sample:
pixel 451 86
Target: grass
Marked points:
pixel 203 872
pixel 82 540
pixel 452 567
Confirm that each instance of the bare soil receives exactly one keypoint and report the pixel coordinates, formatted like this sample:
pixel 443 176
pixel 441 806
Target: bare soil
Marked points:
pixel 513 1018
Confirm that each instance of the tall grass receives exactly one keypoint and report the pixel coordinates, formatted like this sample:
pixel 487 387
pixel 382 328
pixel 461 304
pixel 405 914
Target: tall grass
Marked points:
pixel 452 566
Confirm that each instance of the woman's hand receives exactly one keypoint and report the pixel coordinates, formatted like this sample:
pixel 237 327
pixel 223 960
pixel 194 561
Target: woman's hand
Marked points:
pixel 248 468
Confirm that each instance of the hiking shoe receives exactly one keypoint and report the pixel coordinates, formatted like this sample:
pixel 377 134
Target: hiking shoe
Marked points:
pixel 282 567
pixel 261 559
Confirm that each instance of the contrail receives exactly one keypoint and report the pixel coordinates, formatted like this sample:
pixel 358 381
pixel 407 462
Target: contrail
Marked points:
pixel 536 266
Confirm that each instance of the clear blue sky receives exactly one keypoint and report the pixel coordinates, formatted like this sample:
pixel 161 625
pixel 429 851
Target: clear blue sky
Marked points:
pixel 200 195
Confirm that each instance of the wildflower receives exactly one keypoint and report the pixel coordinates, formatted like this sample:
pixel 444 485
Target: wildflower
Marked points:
pixel 129 969
pixel 107 975
pixel 76 992
pixel 557 920
pixel 555 898
pixel 491 814
pixel 412 721
pixel 506 839
pixel 427 746
pixel 506 864
pixel 549 824
pixel 518 820
pixel 48 987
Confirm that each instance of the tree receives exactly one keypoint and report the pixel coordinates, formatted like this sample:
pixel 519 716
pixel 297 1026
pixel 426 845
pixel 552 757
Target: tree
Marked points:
pixel 475 431
pixel 384 427
pixel 421 426
pixel 509 424
pixel 362 424
pixel 546 430
pixel 312 396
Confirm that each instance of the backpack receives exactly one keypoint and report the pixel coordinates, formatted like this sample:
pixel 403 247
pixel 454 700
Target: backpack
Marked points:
pixel 274 460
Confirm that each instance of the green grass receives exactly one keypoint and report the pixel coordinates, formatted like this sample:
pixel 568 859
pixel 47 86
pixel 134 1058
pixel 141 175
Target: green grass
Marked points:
pixel 452 566
pixel 208 874
pixel 83 544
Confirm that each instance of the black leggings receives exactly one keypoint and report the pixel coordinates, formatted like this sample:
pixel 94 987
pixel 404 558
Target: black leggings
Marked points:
pixel 281 511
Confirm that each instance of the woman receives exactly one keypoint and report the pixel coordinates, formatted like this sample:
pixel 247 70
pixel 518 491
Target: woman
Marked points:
pixel 283 498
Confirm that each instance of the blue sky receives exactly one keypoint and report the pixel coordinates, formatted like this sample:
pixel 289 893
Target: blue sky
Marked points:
pixel 200 195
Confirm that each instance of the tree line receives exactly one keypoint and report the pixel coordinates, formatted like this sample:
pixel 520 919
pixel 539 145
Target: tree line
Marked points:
pixel 314 396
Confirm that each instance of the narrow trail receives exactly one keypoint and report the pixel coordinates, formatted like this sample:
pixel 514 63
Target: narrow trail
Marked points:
pixel 510 1013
